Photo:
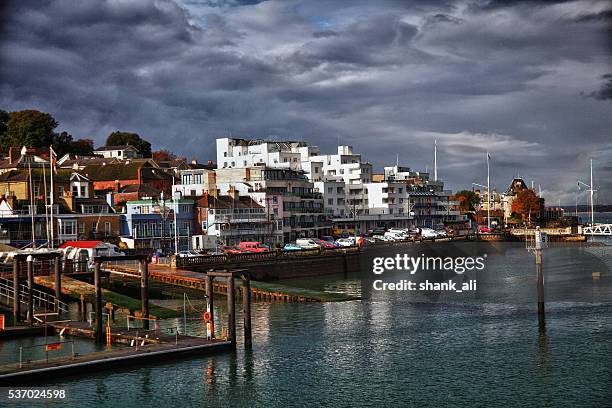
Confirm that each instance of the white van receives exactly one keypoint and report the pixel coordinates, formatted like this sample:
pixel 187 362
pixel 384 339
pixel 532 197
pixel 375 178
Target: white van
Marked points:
pixel 307 243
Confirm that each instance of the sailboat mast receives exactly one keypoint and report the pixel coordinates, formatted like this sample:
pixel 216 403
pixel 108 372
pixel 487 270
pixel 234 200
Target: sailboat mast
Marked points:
pixel 52 168
pixel 32 205
pixel 592 212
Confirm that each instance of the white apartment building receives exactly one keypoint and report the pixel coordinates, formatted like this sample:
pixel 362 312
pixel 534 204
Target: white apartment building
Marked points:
pixel 236 153
pixel 194 182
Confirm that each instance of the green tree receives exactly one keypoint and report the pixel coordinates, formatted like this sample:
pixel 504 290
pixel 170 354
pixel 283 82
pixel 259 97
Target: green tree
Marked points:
pixel 4 116
pixel 82 147
pixel 30 128
pixel 124 138
pixel 467 200
pixel 62 143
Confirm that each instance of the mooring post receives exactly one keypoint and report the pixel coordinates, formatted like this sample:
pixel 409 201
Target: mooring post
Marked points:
pixel 231 313
pixel 58 281
pixel 16 304
pixel 144 292
pixel 210 304
pixel 98 301
pixel 29 262
pixel 538 259
pixel 83 308
pixel 246 307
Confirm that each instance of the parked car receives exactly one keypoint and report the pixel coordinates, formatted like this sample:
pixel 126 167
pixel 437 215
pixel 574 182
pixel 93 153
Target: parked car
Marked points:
pixel 230 249
pixel 290 246
pixel 428 233
pixel 441 233
pixel 323 243
pixel 252 246
pixel 307 243
pixel 345 242
pixel 331 240
pixel 187 254
pixel 483 229
pixel 378 238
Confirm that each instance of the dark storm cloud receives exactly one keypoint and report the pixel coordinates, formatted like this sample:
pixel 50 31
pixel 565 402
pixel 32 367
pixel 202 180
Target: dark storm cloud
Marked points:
pixel 606 88
pixel 388 77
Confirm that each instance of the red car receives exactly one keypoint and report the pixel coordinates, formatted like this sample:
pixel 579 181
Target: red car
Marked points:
pixel 323 244
pixel 253 247
pixel 484 230
pixel 232 250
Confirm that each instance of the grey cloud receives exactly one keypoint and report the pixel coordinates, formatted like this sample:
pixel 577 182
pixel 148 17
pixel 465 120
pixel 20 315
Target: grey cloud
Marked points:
pixel 605 92
pixel 387 77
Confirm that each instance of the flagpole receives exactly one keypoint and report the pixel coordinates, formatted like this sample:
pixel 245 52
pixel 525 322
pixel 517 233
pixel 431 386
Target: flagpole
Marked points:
pixel 52 165
pixel 488 195
pixel 435 160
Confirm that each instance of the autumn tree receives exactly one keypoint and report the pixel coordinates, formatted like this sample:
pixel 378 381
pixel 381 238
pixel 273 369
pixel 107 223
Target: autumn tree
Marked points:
pixel 163 155
pixel 467 200
pixel 124 138
pixel 526 204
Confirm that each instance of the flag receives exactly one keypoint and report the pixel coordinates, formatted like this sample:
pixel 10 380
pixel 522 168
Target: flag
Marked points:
pixel 53 159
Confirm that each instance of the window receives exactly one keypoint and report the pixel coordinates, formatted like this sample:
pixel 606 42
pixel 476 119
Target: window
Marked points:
pixel 67 227
pixel 81 227
pixel 36 191
pixel 224 154
pixel 83 193
pixel 330 201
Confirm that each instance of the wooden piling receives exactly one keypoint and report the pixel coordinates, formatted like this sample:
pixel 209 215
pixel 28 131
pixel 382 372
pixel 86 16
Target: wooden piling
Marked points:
pixel 58 281
pixel 30 290
pixel 144 293
pixel 246 306
pixel 98 302
pixel 16 304
pixel 231 298
pixel 210 302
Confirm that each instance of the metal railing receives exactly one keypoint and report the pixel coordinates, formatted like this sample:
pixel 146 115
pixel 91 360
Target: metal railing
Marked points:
pixel 46 346
pixel 39 298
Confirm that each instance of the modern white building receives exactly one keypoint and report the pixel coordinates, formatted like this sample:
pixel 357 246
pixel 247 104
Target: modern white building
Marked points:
pixel 194 182
pixel 122 152
pixel 235 153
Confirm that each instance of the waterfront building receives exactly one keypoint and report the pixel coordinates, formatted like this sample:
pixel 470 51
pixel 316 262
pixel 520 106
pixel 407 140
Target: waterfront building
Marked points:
pixel 237 153
pixel 233 218
pixel 122 152
pixel 194 182
pixel 115 179
pixel 287 194
pixel 150 224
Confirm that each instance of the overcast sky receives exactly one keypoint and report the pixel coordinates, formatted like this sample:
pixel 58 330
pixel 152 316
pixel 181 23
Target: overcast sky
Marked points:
pixel 529 81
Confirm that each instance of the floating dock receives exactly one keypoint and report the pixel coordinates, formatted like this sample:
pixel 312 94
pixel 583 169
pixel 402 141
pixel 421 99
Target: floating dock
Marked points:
pixel 157 348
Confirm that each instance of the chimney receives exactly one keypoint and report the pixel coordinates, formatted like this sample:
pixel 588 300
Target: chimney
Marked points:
pixel 214 192
pixel 194 161
pixel 232 192
pixel 209 163
pixel 14 154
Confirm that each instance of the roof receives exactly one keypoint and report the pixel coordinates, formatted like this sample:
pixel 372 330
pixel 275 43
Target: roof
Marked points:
pixel 226 201
pixel 111 172
pixel 22 175
pixel 119 147
pixel 141 189
pixel 80 244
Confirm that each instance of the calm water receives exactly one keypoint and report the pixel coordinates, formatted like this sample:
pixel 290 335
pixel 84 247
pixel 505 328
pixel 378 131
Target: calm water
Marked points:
pixel 473 349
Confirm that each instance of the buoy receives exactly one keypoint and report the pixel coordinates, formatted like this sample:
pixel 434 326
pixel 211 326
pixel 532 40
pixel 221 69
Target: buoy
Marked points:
pixel 207 316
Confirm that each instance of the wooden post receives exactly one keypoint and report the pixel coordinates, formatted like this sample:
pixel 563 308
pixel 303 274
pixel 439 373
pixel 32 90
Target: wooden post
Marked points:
pixel 58 281
pixel 210 304
pixel 231 313
pixel 98 302
pixel 540 274
pixel 16 303
pixel 29 262
pixel 246 307
pixel 144 292
pixel 83 308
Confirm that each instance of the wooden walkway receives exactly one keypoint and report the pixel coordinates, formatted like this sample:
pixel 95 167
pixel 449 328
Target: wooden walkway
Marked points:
pixel 260 291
